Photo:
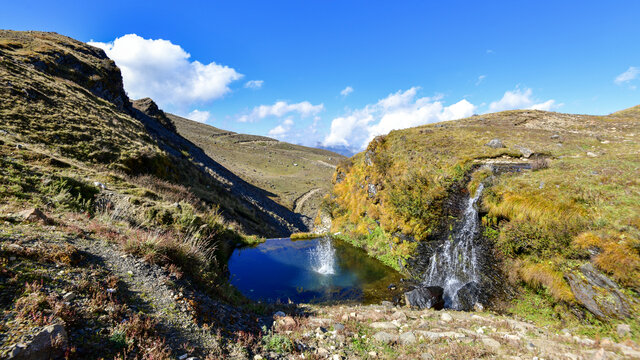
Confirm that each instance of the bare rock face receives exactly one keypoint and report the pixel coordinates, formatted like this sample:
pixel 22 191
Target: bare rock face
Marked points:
pixel 425 297
pixel 526 153
pixel 599 294
pixel 495 144
pixel 49 343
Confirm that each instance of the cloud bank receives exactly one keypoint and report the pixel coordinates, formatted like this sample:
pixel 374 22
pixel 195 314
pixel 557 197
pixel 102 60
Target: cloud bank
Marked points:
pixel 162 71
pixel 520 99
pixel 280 109
pixel 346 91
pixel 400 110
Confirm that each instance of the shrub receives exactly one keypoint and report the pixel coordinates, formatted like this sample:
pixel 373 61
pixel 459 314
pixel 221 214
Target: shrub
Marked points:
pixel 538 275
pixel 618 255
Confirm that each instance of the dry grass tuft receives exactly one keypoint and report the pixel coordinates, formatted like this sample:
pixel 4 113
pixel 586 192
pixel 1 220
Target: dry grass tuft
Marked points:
pixel 617 254
pixel 538 275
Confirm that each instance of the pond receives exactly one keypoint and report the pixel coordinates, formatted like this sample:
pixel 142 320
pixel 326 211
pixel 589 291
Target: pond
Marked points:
pixel 310 271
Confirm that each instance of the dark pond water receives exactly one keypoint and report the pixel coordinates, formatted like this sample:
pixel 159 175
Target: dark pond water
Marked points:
pixel 308 271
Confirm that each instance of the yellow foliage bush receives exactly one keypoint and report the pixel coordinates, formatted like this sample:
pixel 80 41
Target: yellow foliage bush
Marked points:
pixel 539 275
pixel 617 255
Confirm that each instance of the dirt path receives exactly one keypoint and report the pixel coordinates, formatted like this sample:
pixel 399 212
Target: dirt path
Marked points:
pixel 299 203
pixel 327 164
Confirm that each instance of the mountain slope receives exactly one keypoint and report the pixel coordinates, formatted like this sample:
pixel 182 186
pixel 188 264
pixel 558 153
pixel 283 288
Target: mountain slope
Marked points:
pixel 288 172
pixel 68 96
pixel 560 209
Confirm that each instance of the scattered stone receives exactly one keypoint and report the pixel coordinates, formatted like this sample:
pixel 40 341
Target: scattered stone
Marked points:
pixel 336 357
pixel 387 304
pixel 555 136
pixel 426 356
pixel 383 325
pixel 287 322
pixel 183 356
pixel 322 352
pixel 590 154
pixel 34 215
pixel 372 354
pixel 385 337
pixel 492 343
pixel 392 287
pixel 478 307
pixel 399 315
pixel 338 327
pixel 19 146
pixel 530 346
pixel 69 296
pixel 526 153
pixel 258 357
pixel 99 185
pixel 446 317
pixel 425 297
pixel 407 338
pixel 495 143
pixel 50 343
pixel 623 330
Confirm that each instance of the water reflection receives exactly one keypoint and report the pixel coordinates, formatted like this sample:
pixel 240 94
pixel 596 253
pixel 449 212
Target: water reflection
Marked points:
pixel 318 270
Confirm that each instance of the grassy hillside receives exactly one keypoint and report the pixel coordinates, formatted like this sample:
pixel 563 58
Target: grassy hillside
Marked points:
pixel 578 204
pixel 67 97
pixel 286 171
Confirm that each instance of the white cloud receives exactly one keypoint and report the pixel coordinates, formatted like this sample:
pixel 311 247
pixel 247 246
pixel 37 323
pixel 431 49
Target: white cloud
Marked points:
pixel 254 84
pixel 631 74
pixel 199 116
pixel 162 71
pixel 520 99
pixel 281 131
pixel 480 79
pixel 346 91
pixel 397 111
pixel 280 109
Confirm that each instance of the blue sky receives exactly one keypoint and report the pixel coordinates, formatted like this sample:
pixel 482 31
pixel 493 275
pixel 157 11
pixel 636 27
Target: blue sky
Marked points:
pixel 279 67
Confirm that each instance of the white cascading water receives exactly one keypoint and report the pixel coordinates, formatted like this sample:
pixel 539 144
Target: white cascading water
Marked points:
pixel 323 257
pixel 455 263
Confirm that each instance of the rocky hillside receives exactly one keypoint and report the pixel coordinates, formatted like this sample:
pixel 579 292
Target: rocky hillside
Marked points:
pixel 560 207
pixel 67 97
pixel 295 176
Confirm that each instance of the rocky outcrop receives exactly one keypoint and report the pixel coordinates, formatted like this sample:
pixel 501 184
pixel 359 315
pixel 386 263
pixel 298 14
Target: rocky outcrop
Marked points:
pixel 150 108
pixel 495 144
pixel 599 294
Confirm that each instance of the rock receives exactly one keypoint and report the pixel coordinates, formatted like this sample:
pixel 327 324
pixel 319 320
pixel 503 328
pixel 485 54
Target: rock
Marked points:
pixel 491 343
pixel 426 356
pixel 555 136
pixel 599 294
pixel 34 215
pixel 590 154
pixel 623 330
pixel 338 327
pixel 385 337
pixel 407 338
pixel 526 153
pixel 279 314
pixel 383 325
pixel 336 357
pixel 387 304
pixel 322 352
pixel 99 185
pixel 69 296
pixel 287 322
pixel 495 143
pixel 478 307
pixel 372 354
pixel 50 343
pixel 392 287
pixel 468 295
pixel 258 357
pixel 13 248
pixel 432 335
pixel 446 317
pixel 19 146
pixel 399 315
pixel 425 297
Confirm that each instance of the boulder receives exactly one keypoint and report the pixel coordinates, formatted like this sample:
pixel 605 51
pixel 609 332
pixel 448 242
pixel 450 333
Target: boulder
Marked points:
pixel 623 330
pixel 495 144
pixel 50 343
pixel 407 338
pixel 385 337
pixel 468 296
pixel 425 297
pixel 34 215
pixel 599 294
pixel 526 153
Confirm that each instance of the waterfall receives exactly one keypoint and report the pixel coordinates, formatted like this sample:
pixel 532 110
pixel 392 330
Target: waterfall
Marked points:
pixel 455 264
pixel 323 257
